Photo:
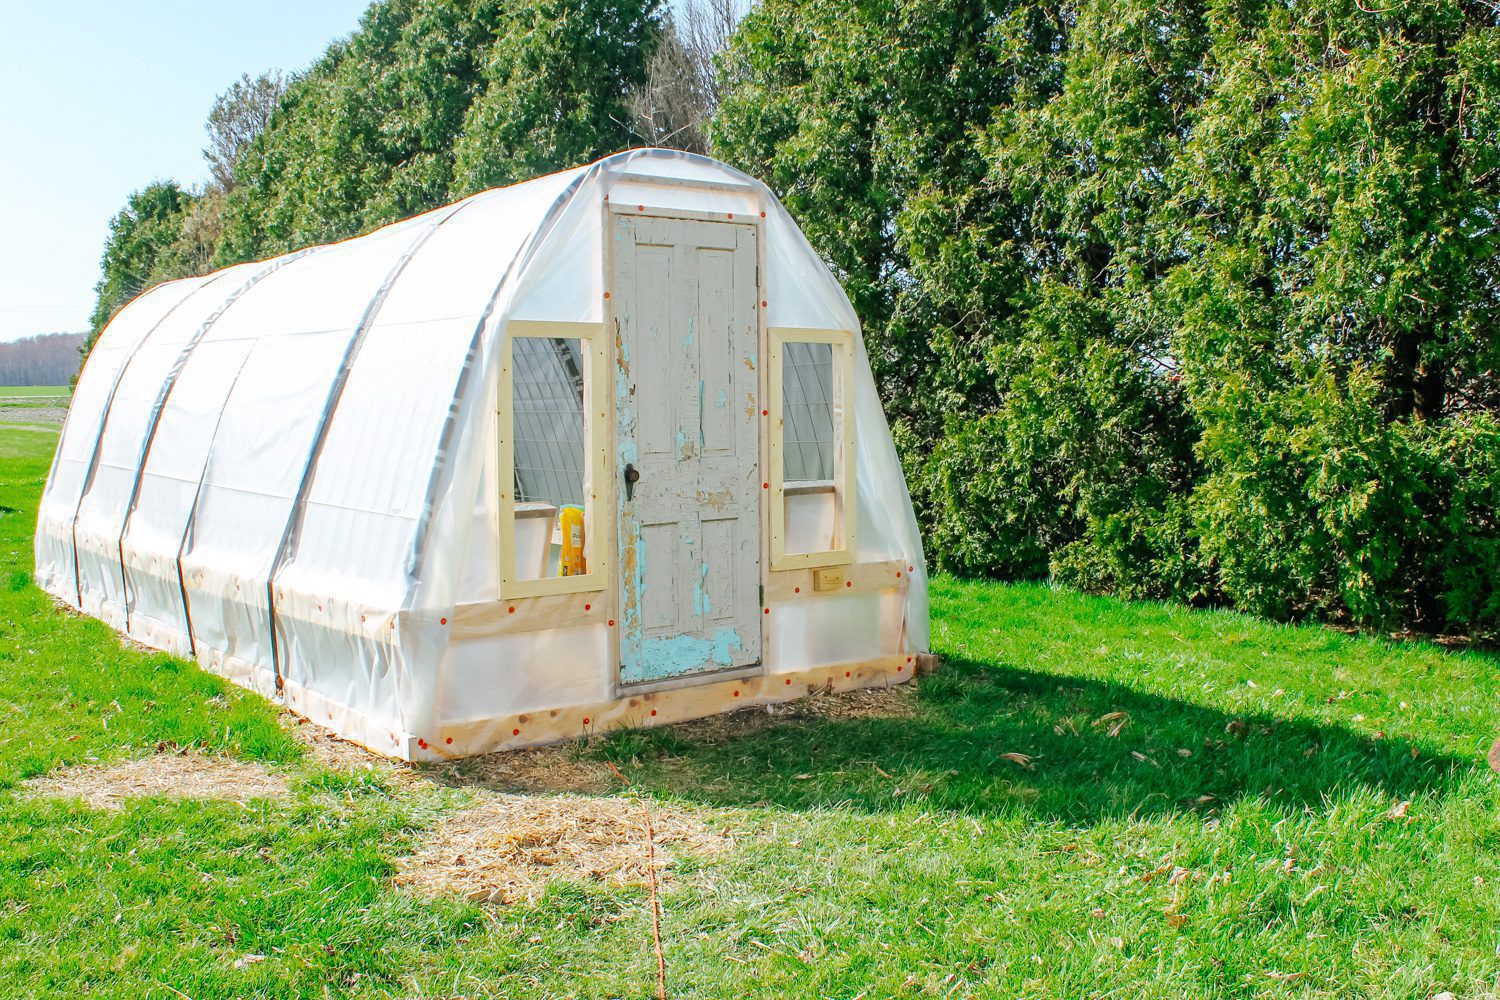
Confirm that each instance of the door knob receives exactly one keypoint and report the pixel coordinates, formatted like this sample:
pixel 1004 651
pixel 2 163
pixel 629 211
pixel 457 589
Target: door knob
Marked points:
pixel 632 476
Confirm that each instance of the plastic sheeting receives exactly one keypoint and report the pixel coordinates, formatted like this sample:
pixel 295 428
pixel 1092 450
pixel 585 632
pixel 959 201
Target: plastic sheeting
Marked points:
pixel 286 469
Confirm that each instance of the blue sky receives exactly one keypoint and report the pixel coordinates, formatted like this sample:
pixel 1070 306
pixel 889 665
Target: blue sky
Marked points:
pixel 100 98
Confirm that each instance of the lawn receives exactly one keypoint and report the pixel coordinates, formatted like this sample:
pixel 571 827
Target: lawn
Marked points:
pixel 1092 798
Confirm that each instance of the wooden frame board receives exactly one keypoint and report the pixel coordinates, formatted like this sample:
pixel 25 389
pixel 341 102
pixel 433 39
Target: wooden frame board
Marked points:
pixel 634 710
pixel 845 492
pixel 598 438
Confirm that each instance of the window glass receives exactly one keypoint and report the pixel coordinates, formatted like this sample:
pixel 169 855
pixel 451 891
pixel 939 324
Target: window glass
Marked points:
pixel 549 452
pixel 548 414
pixel 808 412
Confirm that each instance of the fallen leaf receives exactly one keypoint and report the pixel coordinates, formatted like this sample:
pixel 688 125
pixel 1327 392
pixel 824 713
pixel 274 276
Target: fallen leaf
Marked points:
pixel 1398 811
pixel 245 961
pixel 1176 919
pixel 1236 727
pixel 1115 721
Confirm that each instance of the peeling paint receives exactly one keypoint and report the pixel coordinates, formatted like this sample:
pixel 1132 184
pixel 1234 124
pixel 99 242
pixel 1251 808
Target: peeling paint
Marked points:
pixel 702 605
pixel 716 499
pixel 676 655
pixel 721 399
pixel 621 351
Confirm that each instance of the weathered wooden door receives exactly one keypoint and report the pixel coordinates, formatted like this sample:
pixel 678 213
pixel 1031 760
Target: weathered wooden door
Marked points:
pixel 688 464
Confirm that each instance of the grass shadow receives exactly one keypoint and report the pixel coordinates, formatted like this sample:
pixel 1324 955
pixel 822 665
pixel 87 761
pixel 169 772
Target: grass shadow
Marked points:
pixel 988 739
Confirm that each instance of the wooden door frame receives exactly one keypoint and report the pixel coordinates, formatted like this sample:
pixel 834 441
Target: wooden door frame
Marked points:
pixel 609 213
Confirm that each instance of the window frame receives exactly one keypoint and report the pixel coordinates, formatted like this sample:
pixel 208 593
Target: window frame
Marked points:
pixel 845 492
pixel 596 459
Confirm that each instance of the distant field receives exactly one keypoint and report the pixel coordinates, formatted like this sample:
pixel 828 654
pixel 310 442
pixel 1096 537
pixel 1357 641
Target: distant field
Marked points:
pixel 34 407
pixel 8 392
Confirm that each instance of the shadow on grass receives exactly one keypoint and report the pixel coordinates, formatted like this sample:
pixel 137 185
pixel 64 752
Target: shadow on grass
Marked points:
pixel 987 739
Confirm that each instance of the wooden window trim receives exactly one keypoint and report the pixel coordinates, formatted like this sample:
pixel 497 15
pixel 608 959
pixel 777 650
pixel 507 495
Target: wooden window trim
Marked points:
pixel 596 409
pixel 844 480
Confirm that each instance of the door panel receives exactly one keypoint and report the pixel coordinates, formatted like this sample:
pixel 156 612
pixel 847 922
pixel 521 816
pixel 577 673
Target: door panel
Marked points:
pixel 687 338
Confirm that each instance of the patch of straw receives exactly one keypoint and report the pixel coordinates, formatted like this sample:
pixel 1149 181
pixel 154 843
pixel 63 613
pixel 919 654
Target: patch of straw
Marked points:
pixel 509 848
pixel 170 773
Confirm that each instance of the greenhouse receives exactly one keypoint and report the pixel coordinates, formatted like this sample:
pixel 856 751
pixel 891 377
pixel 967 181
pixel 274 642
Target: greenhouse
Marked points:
pixel 597 450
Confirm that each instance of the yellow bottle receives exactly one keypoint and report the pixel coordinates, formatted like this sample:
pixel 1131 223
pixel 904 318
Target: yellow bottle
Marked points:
pixel 571 561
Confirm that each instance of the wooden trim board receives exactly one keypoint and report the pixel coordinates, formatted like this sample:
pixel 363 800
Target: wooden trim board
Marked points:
pixel 859 578
pixel 487 619
pixel 655 709
pixel 598 440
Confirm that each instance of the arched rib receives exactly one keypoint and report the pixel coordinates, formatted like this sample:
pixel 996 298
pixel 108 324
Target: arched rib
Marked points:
pixel 290 532
pixel 109 402
pixel 162 395
pixel 417 556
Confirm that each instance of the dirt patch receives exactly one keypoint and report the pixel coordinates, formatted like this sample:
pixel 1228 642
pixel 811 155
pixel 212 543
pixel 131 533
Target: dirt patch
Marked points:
pixel 40 417
pixel 338 754
pixel 556 769
pixel 899 702
pixel 170 773
pixel 509 848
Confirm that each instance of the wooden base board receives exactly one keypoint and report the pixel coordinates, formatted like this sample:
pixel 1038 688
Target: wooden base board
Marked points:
pixel 634 711
pixel 486 619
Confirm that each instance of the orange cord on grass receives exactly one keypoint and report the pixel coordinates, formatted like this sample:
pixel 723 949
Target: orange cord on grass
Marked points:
pixel 661 959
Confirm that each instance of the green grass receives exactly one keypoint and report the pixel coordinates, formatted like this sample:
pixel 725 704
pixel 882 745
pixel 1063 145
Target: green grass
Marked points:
pixel 1093 798
pixel 46 391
